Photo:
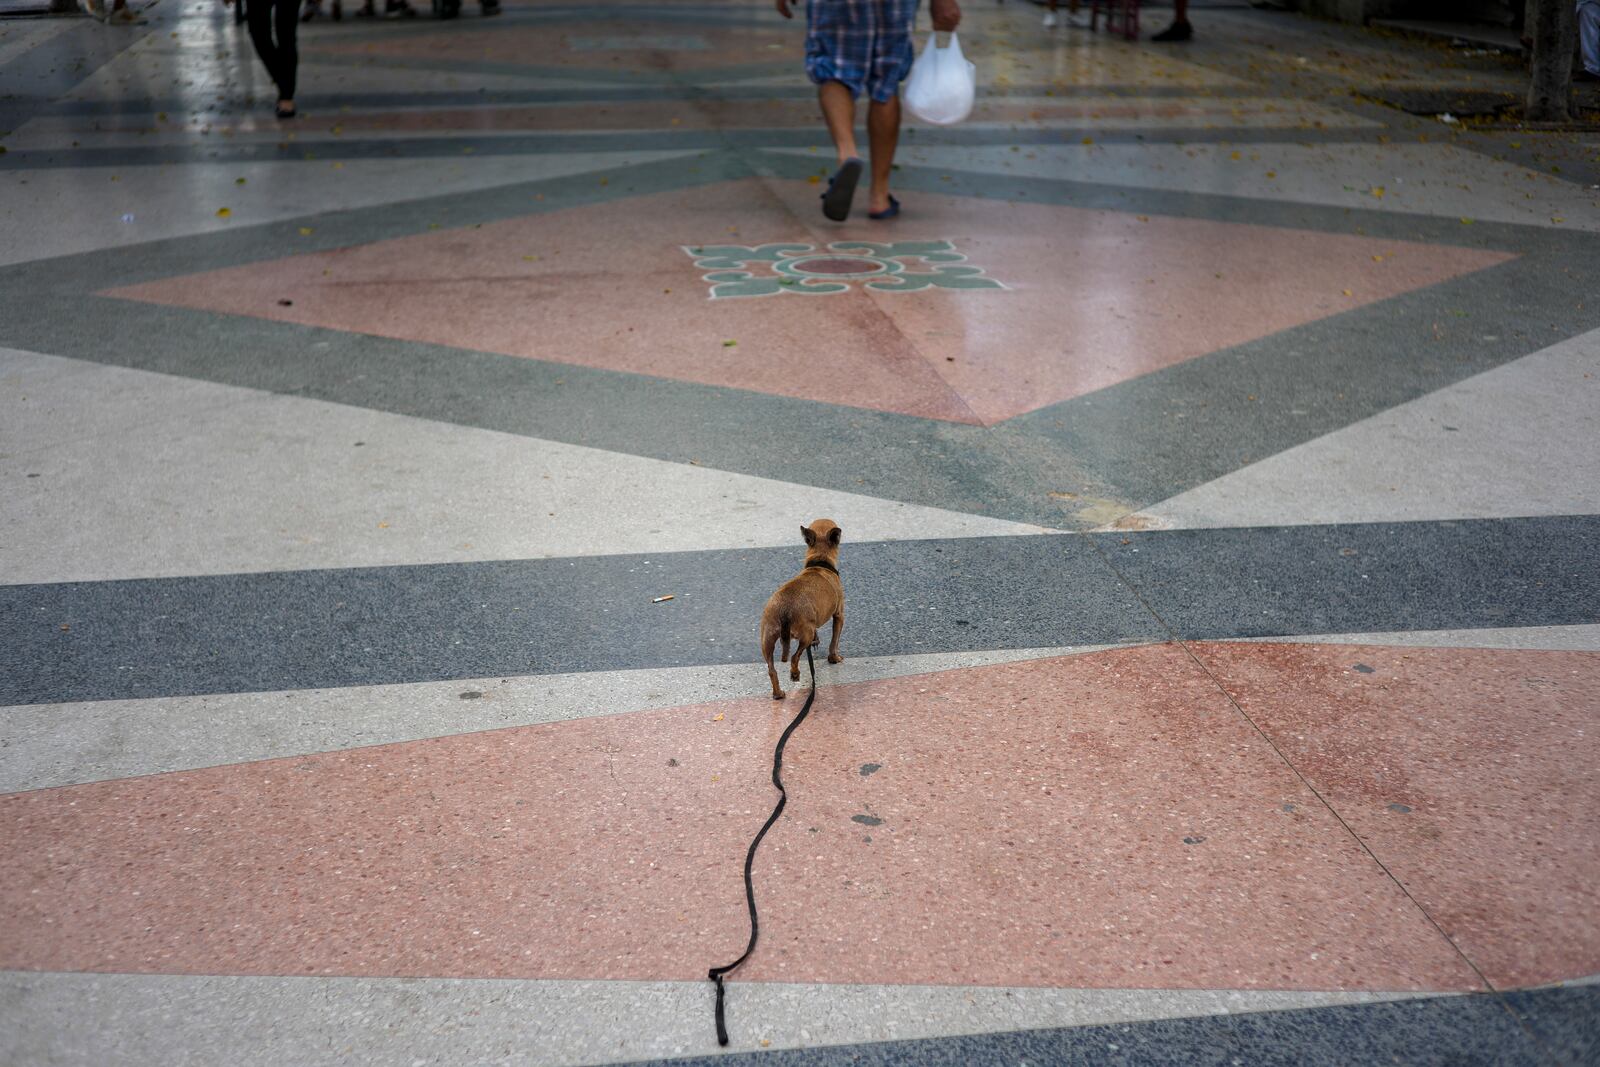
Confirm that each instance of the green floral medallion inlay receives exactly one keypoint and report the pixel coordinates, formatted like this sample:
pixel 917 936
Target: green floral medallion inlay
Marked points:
pixel 899 267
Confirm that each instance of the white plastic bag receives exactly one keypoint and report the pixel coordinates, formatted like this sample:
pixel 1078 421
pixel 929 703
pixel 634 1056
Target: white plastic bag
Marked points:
pixel 942 84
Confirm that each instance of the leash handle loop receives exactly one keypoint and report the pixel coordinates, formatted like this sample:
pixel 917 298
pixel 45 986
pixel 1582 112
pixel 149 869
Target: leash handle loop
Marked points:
pixel 717 973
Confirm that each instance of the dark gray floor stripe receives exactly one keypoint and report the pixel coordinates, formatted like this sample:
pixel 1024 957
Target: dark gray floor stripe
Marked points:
pixel 403 624
pixel 522 144
pixel 1269 581
pixel 319 629
pixel 178 108
pixel 1565 1022
pixel 1466 1031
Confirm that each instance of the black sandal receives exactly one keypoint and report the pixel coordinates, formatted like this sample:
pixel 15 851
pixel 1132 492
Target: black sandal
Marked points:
pixel 842 190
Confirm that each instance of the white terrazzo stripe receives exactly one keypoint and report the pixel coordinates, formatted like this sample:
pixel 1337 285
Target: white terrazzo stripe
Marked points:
pixel 61 211
pixel 21 36
pixel 1529 638
pixel 64 744
pixel 1521 439
pixel 1433 179
pixel 177 1021
pixel 215 479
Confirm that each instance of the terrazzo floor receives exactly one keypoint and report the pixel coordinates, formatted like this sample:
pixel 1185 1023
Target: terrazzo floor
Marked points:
pixel 390 498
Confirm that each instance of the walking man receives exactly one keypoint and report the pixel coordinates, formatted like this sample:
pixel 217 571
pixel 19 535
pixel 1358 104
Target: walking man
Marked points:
pixel 856 46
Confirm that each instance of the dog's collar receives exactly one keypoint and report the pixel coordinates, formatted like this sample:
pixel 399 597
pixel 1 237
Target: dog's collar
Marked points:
pixel 824 564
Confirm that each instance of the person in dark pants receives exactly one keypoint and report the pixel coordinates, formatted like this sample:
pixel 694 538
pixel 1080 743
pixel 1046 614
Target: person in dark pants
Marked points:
pixel 1180 30
pixel 280 57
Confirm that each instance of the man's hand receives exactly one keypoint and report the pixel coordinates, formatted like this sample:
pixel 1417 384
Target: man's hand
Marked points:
pixel 783 8
pixel 946 15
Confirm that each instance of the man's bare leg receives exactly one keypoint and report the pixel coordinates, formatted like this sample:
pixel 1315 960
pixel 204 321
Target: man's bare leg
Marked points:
pixel 883 134
pixel 839 112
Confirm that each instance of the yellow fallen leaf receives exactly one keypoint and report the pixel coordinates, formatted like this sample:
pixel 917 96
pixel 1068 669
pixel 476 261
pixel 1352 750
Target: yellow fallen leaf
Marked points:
pixel 223 212
pixel 1272 174
pixel 1378 191
pixel 238 181
pixel 1234 155
pixel 1088 140
pixel 813 179
pixel 1347 292
pixel 718 717
pixel 305 231
pixel 383 526
pixel 1466 221
pixel 729 344
pixel 338 166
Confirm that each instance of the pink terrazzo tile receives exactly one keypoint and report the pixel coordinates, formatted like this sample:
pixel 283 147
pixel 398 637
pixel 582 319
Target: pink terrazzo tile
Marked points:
pixel 1471 773
pixel 1103 820
pixel 1091 298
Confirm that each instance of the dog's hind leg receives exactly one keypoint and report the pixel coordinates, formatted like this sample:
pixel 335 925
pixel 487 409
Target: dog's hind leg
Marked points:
pixel 768 640
pixel 805 636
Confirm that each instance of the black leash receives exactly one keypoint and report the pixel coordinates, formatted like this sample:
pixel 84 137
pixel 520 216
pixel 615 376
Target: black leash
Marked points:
pixel 750 857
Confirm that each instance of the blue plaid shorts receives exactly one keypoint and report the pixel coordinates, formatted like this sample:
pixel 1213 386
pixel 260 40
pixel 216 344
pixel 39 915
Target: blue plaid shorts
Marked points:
pixel 866 44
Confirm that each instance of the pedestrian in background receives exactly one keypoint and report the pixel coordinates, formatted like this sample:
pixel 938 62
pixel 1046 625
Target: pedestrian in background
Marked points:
pixel 1180 30
pixel 272 29
pixel 855 47
pixel 1589 41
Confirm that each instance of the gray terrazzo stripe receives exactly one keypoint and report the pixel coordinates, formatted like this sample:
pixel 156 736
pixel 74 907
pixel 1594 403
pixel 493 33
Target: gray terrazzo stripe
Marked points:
pixel 179 107
pixel 1268 581
pixel 644 140
pixel 1469 1031
pixel 318 629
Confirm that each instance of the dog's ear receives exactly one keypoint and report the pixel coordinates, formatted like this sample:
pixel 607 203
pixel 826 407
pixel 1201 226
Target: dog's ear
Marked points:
pixel 811 538
pixel 834 535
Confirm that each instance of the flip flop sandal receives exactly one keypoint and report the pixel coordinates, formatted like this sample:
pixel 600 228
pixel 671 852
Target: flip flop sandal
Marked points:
pixel 841 190
pixel 887 213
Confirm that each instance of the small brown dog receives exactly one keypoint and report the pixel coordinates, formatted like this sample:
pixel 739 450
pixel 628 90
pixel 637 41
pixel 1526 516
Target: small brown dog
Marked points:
pixel 805 602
